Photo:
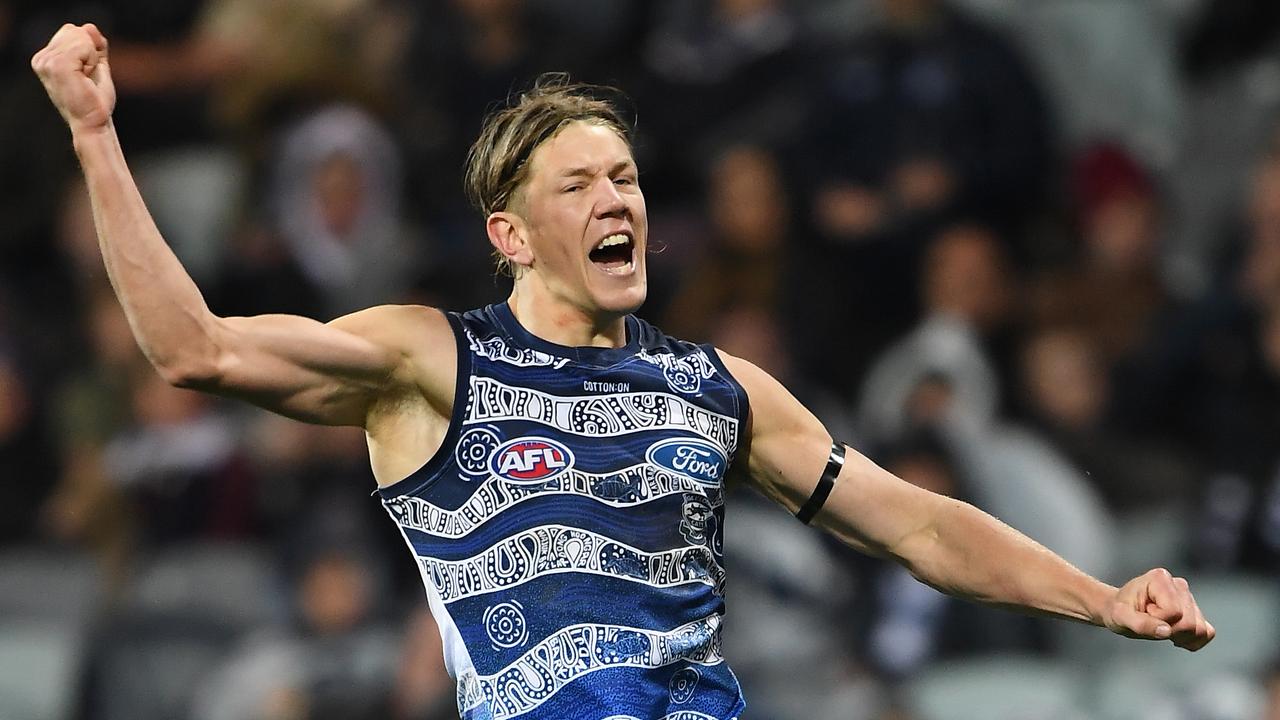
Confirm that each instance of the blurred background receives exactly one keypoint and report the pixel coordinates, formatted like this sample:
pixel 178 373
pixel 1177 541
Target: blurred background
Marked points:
pixel 1026 254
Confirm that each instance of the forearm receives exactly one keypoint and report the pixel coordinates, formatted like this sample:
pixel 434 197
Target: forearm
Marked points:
pixel 970 554
pixel 166 311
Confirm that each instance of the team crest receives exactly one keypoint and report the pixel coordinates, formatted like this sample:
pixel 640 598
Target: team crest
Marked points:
pixel 697 519
pixel 530 460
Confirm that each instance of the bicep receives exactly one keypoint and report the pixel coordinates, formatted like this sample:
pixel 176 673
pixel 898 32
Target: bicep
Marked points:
pixel 788 450
pixel 326 373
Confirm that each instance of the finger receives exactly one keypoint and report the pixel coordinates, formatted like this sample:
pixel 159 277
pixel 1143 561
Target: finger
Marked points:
pixel 1190 612
pixel 99 40
pixel 1190 636
pixel 53 61
pixel 1193 632
pixel 65 33
pixel 102 76
pixel 1168 614
pixel 71 43
pixel 1202 633
pixel 1136 624
pixel 1163 599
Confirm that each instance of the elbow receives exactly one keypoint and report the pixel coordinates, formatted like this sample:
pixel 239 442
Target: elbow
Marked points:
pixel 196 364
pixel 189 374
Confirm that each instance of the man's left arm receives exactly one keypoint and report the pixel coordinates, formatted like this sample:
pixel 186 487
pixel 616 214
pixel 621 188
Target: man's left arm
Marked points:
pixel 944 542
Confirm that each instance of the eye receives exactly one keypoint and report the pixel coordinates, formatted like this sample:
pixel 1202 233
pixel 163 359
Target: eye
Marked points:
pixel 572 189
pixel 624 181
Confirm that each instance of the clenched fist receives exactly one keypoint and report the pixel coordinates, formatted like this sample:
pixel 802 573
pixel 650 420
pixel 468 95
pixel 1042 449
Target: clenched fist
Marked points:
pixel 73 68
pixel 1158 606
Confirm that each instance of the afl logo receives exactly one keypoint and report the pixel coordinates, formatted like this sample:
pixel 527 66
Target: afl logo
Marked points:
pixel 530 460
pixel 697 459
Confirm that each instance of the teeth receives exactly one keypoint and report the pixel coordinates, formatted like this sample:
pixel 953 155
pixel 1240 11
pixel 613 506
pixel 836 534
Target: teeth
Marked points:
pixel 612 240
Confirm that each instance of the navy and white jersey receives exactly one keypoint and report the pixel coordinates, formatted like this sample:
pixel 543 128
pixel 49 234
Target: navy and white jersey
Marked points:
pixel 569 529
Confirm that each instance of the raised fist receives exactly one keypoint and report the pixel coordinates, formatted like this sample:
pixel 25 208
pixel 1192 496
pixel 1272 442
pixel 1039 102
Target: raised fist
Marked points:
pixel 73 68
pixel 1159 606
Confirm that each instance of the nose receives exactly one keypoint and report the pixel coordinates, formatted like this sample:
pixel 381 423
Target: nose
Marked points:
pixel 610 202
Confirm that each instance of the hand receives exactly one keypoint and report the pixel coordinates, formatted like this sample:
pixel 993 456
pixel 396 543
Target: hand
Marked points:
pixel 1158 606
pixel 73 68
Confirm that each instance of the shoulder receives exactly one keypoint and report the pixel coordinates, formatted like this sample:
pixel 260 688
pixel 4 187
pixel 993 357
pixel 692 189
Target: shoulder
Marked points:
pixel 752 379
pixel 651 338
pixel 772 405
pixel 421 337
pixel 393 321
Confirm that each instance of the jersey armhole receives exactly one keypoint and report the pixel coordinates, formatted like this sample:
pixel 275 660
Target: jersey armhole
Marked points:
pixel 741 401
pixel 429 473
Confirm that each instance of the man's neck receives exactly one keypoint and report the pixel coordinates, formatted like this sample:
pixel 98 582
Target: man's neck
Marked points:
pixel 564 324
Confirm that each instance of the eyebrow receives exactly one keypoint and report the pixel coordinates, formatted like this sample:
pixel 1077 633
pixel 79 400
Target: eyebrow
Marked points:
pixel 618 167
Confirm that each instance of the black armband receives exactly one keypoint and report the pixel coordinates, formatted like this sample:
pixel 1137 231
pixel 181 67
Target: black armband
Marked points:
pixel 835 461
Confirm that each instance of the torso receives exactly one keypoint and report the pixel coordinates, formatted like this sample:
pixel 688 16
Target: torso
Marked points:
pixel 568 529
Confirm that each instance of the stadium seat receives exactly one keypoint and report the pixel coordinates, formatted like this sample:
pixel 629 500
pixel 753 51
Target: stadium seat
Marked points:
pixel 38 664
pixel 49 584
pixel 228 582
pixel 147 666
pixel 1004 687
pixel 1123 691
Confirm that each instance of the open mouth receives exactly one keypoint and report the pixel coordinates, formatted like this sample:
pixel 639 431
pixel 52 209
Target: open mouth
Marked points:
pixel 614 254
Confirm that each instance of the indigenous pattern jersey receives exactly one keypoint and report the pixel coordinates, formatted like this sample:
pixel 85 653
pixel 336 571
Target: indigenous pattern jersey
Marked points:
pixel 568 531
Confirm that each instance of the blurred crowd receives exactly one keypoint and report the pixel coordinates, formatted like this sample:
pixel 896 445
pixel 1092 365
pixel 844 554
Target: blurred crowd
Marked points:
pixel 1023 254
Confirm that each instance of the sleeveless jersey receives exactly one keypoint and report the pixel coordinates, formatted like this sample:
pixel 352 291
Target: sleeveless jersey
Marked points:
pixel 569 530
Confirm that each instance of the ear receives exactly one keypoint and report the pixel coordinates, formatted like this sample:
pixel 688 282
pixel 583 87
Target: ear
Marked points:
pixel 509 236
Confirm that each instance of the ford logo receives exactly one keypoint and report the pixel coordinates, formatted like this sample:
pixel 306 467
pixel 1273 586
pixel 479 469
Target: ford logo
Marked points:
pixel 697 459
pixel 530 460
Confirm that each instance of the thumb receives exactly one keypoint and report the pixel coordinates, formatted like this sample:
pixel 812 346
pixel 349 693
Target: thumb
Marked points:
pixel 101 77
pixel 1137 624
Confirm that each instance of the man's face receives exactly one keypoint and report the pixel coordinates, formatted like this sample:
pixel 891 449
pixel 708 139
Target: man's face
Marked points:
pixel 584 221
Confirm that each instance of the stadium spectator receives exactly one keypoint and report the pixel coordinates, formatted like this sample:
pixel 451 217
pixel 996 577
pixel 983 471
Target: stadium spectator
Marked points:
pixel 335 202
pixel 335 658
pixel 88 407
pixel 717 73
pixel 744 260
pixel 905 625
pixel 967 297
pixel 927 112
pixel 927 116
pixel 1215 382
pixel 1113 286
pixel 423 689
pixel 1068 391
pixel 474 49
pixel 25 452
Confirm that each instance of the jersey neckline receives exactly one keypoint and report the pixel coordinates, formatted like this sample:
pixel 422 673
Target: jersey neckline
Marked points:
pixel 585 354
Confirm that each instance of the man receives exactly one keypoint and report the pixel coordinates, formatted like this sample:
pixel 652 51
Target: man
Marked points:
pixel 556 464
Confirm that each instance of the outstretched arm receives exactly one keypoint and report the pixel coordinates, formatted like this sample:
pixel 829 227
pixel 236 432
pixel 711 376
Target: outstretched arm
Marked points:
pixel 945 543
pixel 326 373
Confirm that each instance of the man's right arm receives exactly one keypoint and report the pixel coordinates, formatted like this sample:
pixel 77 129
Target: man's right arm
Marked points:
pixel 325 373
